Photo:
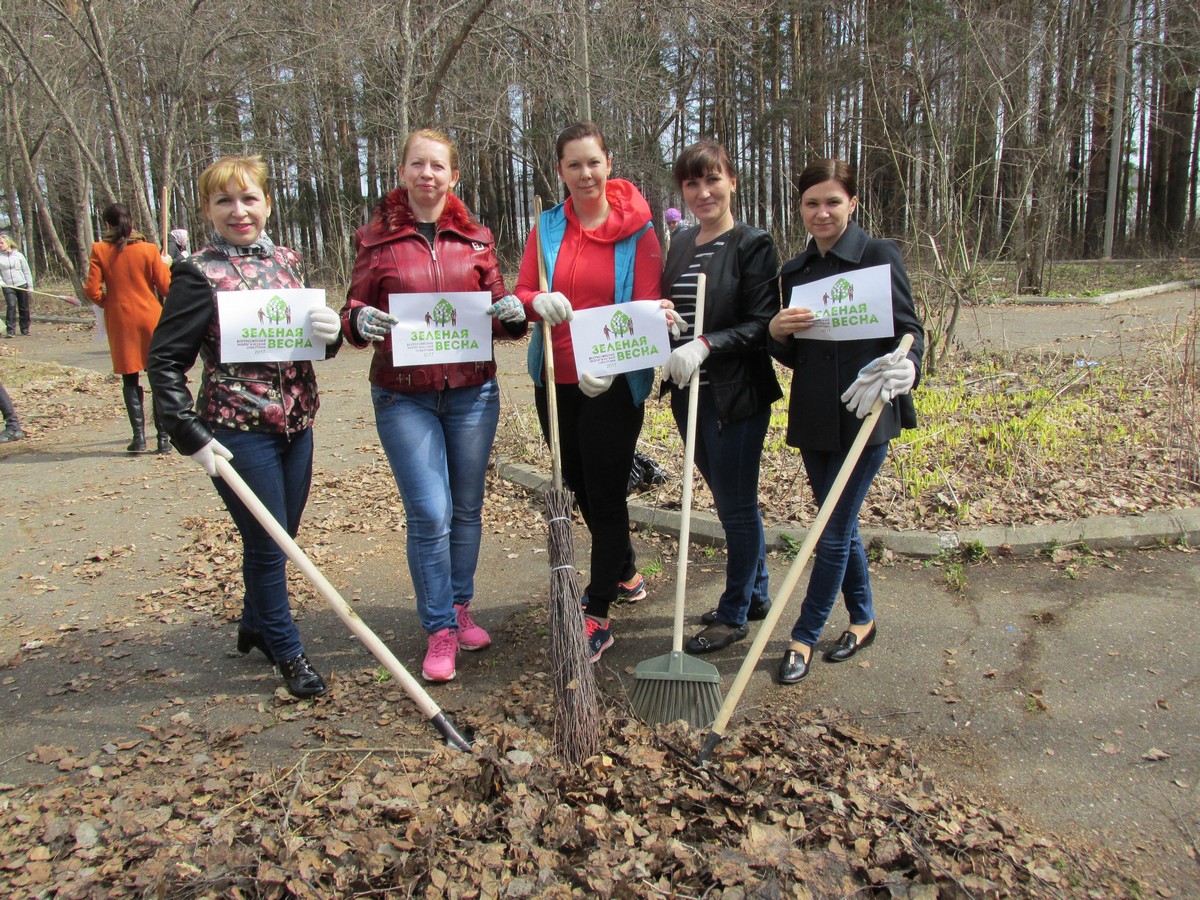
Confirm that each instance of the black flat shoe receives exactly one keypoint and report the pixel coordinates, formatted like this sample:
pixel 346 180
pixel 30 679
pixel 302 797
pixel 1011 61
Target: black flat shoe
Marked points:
pixel 247 640
pixel 793 667
pixel 301 679
pixel 848 645
pixel 717 636
pixel 756 613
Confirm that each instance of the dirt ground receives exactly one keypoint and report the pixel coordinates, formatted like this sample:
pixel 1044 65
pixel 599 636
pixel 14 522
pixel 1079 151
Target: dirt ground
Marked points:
pixel 1066 695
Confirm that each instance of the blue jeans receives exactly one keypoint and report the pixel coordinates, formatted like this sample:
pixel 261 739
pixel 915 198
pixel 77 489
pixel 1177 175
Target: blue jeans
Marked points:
pixel 728 457
pixel 840 560
pixel 438 443
pixel 278 468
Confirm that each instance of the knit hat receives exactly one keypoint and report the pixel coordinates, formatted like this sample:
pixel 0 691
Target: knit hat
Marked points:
pixel 673 215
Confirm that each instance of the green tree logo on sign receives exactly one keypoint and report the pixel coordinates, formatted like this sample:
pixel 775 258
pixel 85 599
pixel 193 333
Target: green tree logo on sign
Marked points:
pixel 443 313
pixel 842 291
pixel 276 311
pixel 620 324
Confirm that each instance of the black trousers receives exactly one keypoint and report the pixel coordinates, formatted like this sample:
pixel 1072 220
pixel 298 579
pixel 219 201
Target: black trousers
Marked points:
pixel 598 436
pixel 17 302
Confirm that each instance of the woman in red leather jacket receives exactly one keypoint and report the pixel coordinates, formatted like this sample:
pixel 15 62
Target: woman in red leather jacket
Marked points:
pixel 436 422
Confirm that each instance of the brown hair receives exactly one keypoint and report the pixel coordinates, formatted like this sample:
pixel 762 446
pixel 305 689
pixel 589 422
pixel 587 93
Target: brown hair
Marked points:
pixel 430 134
pixel 246 169
pixel 578 132
pixel 120 225
pixel 700 158
pixel 822 170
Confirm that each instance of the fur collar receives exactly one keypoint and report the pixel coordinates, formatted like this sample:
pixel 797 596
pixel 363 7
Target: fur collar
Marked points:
pixel 394 215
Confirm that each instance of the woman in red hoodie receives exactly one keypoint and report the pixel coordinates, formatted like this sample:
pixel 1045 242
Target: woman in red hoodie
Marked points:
pixel 600 250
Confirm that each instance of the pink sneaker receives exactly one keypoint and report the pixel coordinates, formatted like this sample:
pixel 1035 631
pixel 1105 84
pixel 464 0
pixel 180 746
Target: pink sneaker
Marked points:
pixel 470 635
pixel 439 658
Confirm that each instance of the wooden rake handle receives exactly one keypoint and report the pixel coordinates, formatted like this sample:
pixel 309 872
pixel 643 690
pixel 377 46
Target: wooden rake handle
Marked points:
pixel 356 625
pixel 689 463
pixel 717 731
pixel 548 352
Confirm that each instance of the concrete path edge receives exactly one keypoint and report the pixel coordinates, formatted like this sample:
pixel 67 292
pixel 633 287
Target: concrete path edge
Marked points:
pixel 1155 528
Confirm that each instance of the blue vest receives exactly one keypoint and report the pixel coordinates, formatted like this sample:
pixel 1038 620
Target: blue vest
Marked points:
pixel 551 227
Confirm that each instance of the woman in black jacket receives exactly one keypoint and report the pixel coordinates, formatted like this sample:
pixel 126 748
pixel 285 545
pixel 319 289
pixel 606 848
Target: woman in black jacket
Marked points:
pixel 828 374
pixel 737 383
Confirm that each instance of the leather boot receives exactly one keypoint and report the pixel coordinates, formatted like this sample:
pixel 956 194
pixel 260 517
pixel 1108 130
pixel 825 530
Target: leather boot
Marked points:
pixel 137 418
pixel 164 444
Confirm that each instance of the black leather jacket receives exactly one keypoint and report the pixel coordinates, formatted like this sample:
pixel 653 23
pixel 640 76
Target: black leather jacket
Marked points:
pixel 741 299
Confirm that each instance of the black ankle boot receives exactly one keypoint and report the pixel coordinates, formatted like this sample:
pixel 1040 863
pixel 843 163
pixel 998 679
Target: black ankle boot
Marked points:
pixel 247 640
pixel 301 679
pixel 137 418
pixel 164 444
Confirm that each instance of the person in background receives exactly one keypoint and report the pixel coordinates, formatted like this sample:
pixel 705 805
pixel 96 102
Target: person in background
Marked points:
pixel 17 280
pixel 12 425
pixel 828 374
pixel 600 250
pixel 436 421
pixel 177 244
pixel 737 380
pixel 257 415
pixel 127 277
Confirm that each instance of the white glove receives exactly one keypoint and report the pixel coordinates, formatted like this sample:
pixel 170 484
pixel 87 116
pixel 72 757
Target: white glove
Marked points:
pixel 675 324
pixel 324 324
pixel 554 308
pixel 507 309
pixel 167 259
pixel 594 385
pixel 685 360
pixel 894 369
pixel 374 324
pixel 898 380
pixel 207 455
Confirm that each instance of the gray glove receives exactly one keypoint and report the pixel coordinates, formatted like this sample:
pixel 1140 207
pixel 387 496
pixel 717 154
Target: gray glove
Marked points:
pixel 894 373
pixel 207 455
pixel 555 308
pixel 324 324
pixel 594 385
pixel 373 324
pixel 507 309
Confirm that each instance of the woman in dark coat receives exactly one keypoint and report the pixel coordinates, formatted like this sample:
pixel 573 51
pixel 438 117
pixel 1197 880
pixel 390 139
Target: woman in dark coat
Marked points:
pixel 834 385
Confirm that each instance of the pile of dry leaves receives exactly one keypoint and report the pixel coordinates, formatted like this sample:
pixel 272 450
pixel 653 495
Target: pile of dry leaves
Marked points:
pixel 790 806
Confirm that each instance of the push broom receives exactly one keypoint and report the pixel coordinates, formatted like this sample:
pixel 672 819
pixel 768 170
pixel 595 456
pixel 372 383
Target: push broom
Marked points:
pixel 793 575
pixel 360 629
pixel 577 708
pixel 676 686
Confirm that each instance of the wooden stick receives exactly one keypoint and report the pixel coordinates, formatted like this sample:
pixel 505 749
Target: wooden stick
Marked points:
pixel 356 625
pixel 717 730
pixel 548 348
pixel 689 463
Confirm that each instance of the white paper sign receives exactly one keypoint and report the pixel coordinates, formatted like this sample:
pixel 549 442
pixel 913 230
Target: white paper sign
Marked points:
pixel 268 326
pixel 848 307
pixel 441 328
pixel 625 337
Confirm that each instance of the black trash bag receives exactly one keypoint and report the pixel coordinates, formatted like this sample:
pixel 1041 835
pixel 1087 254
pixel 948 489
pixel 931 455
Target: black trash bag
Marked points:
pixel 645 472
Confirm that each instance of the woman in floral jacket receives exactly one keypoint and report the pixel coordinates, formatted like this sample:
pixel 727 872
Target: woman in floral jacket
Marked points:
pixel 258 415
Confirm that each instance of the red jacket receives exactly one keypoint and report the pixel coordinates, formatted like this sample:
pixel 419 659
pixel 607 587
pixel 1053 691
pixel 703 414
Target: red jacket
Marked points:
pixel 584 271
pixel 392 257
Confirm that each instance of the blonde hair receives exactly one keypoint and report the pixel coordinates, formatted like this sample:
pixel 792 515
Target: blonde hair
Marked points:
pixel 246 170
pixel 431 134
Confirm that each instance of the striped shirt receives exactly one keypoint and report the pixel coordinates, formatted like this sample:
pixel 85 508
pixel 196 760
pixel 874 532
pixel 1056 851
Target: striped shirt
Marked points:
pixel 683 291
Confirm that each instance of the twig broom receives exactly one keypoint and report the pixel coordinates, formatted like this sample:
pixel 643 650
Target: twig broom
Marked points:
pixel 676 686
pixel 577 714
pixel 793 576
pixel 360 629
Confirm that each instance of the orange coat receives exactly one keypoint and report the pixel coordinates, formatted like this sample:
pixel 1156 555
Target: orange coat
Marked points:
pixel 123 283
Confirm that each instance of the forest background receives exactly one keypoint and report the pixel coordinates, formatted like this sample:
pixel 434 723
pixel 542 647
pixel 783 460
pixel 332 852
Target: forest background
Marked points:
pixel 982 131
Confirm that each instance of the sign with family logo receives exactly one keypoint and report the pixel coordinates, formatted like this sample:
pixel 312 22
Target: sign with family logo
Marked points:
pixel 268 326
pixel 441 328
pixel 848 307
pixel 609 340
